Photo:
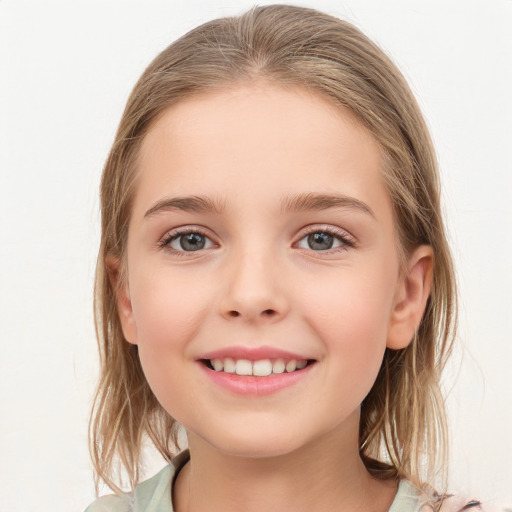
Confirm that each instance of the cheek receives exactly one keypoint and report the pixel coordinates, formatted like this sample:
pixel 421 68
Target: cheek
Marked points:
pixel 351 315
pixel 166 309
pixel 357 301
pixel 167 315
pixel 166 322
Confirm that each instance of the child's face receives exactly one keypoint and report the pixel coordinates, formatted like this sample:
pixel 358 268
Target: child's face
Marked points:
pixel 260 224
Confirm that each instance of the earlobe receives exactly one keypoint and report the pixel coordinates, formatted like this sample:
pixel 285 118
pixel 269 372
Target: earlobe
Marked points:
pixel 121 291
pixel 411 297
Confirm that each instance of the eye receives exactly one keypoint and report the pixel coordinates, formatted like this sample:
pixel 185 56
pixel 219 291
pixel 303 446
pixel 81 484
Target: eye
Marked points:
pixel 188 241
pixel 325 240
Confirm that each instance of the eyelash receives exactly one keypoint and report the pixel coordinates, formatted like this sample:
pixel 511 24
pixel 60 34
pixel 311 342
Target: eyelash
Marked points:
pixel 177 233
pixel 347 240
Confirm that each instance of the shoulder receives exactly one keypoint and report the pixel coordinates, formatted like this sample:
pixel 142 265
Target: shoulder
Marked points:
pixel 457 504
pixel 153 495
pixel 411 499
pixel 121 503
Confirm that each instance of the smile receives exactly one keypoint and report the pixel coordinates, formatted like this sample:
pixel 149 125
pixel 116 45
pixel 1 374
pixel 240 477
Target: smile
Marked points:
pixel 258 368
pixel 255 371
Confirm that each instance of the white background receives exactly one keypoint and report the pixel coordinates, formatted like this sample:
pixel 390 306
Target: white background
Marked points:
pixel 66 69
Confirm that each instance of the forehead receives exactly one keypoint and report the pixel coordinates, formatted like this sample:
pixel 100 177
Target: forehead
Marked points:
pixel 259 141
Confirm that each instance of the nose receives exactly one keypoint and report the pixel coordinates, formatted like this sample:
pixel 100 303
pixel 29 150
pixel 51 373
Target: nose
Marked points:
pixel 254 289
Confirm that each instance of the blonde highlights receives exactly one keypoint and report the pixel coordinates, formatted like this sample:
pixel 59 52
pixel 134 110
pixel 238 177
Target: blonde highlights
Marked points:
pixel 403 426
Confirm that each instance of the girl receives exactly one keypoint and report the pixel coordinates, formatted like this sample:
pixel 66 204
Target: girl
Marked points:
pixel 273 276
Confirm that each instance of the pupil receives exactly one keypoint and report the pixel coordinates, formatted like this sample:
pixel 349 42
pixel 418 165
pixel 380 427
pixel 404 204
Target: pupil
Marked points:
pixel 192 242
pixel 320 241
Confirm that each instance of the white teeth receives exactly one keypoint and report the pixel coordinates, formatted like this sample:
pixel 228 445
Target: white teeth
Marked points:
pixel 278 366
pixel 229 365
pixel 260 368
pixel 243 367
pixel 217 364
pixel 291 366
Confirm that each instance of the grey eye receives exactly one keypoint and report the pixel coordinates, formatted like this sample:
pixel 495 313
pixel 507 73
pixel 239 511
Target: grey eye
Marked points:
pixel 190 242
pixel 320 241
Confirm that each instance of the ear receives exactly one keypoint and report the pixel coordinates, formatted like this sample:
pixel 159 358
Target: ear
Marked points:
pixel 411 297
pixel 122 293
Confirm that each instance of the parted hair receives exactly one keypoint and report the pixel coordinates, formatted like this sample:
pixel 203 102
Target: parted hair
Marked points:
pixel 403 425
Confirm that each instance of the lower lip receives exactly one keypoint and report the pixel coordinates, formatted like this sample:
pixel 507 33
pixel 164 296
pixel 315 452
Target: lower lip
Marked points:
pixel 256 386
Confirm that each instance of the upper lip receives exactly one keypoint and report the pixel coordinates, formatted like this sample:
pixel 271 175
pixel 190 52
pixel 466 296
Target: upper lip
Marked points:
pixel 252 353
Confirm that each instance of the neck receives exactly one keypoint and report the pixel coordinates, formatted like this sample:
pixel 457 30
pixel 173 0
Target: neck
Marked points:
pixel 325 475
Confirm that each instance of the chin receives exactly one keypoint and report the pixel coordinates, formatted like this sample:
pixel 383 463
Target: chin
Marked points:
pixel 262 450
pixel 255 443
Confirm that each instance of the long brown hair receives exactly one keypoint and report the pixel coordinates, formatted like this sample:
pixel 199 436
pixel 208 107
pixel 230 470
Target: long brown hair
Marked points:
pixel 403 428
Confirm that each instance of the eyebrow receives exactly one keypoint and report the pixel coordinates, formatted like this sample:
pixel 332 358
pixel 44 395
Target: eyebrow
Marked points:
pixel 313 201
pixel 299 202
pixel 201 204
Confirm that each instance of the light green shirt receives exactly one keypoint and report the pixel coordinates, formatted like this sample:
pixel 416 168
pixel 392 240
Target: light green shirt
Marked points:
pixel 154 495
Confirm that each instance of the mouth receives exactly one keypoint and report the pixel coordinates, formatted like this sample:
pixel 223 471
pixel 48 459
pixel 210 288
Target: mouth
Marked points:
pixel 257 368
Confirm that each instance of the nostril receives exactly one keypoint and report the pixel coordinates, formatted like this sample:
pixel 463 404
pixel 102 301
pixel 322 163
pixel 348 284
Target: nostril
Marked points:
pixel 266 312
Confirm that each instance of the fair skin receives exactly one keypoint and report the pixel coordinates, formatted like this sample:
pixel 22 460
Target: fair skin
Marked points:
pixel 292 247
